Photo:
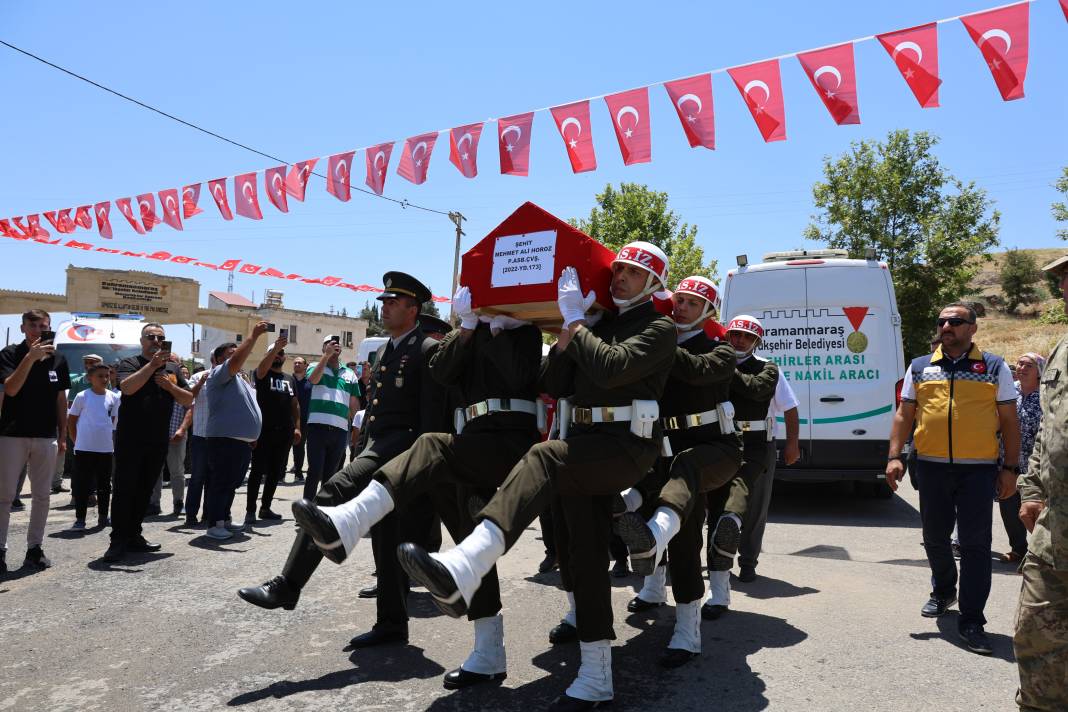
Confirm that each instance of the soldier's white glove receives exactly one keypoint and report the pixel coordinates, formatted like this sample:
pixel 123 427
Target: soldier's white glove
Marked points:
pixel 569 297
pixel 461 307
pixel 503 322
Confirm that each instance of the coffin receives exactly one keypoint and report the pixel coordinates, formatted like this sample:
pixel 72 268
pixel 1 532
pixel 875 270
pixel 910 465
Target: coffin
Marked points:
pixel 514 269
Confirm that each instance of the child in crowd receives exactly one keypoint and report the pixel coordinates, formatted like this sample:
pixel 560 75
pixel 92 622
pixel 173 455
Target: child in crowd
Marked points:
pixel 91 423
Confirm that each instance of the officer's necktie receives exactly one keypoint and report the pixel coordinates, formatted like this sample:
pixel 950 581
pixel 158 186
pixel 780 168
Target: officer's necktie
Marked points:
pixel 388 351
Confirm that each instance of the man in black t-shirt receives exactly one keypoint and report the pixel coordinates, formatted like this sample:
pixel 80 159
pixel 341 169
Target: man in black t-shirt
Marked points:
pixel 32 414
pixel 151 384
pixel 276 393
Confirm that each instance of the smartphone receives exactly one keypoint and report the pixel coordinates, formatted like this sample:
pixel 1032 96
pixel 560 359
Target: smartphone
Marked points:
pixel 48 337
pixel 270 328
pixel 284 333
pixel 165 346
pixel 336 340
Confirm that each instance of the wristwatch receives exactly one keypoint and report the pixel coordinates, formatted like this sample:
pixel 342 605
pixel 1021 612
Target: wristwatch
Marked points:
pixel 895 457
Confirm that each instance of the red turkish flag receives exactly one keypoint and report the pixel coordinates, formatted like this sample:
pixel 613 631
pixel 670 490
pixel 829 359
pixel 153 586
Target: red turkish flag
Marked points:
pixel 915 52
pixel 171 208
pixel 834 77
pixel 377 164
pixel 463 148
pixel 513 138
pixel 692 99
pixel 1064 8
pixel 218 192
pixel 274 182
pixel 82 218
pixel 50 216
pixel 249 269
pixel 123 205
pixel 66 224
pixel 631 120
pixel 5 229
pixel 35 229
pixel 190 198
pixel 339 175
pixel 246 198
pixel 761 87
pixel 146 203
pixel 103 219
pixel 1001 36
pixel 297 180
pixel 17 222
pixel 415 157
pixel 573 122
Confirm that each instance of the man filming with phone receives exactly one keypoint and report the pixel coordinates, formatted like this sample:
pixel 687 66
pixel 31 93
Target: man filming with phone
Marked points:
pixel 334 402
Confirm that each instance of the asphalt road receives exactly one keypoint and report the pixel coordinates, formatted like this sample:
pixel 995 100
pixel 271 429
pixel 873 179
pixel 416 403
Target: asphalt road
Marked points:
pixel 832 624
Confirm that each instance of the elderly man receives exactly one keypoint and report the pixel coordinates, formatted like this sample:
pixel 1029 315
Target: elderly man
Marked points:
pixel 1041 639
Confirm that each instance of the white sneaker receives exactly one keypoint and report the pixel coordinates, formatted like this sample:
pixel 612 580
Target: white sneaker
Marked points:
pixel 219 531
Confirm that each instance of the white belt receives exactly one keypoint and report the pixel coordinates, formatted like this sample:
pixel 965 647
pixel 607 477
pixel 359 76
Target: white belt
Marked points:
pixel 757 426
pixel 493 405
pixel 695 420
pixel 601 414
pixel 641 415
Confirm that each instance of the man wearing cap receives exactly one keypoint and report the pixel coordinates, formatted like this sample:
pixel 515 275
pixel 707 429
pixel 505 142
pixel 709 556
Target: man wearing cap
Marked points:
pixel 403 402
pixel 334 401
pixel 608 379
pixel 1041 638
pixel 704 454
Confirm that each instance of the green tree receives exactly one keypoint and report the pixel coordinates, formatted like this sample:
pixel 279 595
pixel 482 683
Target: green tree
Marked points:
pixel 430 308
pixel 634 212
pixel 1060 208
pixel 895 198
pixel 369 313
pixel 1019 274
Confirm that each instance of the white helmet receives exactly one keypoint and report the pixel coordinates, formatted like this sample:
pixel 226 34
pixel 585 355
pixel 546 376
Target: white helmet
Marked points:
pixel 704 288
pixel 646 256
pixel 749 325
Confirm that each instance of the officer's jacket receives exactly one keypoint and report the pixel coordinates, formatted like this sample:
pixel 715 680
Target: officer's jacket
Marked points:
pixel 403 400
pixel 488 366
pixel 700 379
pixel 752 389
pixel 622 358
pixel 1046 479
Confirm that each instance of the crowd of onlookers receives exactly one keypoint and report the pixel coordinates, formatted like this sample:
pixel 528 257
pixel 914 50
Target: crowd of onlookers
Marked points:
pixel 145 420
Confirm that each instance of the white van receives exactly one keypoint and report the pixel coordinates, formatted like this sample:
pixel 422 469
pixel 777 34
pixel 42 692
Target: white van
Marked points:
pixel 831 324
pixel 368 349
pixel 112 337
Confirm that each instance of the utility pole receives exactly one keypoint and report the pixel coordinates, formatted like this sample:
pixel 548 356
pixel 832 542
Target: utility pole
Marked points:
pixel 457 220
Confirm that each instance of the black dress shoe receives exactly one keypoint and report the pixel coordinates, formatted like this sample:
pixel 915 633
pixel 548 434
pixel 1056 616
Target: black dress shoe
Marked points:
pixel 368 592
pixel 269 515
pixel 712 611
pixel 975 639
pixel 636 534
pixel 115 552
pixel 434 577
pixel 937 606
pixel 639 604
pixel 675 657
pixel 36 559
pixel 276 593
pixel 460 678
pixel 17 505
pixel 380 635
pixel 747 574
pixel 141 546
pixel 564 703
pixel 563 633
pixel 320 528
pixel 548 564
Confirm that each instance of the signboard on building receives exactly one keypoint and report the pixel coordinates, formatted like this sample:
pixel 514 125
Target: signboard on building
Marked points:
pixel 133 296
pixel 157 297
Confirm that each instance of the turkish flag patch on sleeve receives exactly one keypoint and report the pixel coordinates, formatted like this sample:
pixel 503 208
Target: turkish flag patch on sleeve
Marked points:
pixel 979 367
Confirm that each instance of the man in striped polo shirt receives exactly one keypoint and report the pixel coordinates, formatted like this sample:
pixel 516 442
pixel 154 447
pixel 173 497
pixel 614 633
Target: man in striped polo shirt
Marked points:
pixel 335 398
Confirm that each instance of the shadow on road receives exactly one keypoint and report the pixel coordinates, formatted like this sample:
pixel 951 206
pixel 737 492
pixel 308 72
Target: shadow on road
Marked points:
pixel 947 631
pixel 130 559
pixel 206 542
pixel 764 588
pixel 835 504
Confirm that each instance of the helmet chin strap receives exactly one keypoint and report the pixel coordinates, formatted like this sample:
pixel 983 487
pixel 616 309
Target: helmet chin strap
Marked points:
pixel 705 314
pixel 651 285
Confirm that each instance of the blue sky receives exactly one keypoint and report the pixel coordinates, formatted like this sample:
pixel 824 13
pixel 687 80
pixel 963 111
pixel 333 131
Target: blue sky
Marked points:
pixel 304 80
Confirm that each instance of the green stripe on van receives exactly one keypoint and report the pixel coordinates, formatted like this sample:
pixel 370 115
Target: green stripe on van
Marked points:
pixel 844 418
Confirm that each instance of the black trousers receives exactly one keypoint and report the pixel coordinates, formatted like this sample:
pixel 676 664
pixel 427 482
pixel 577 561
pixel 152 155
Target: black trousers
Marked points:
pixel 268 466
pixel 733 497
pixel 92 473
pixel 137 466
pixel 1010 517
pixel 298 449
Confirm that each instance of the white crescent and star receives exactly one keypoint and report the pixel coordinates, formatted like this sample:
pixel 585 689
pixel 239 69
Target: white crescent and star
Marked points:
pixel 908 44
pixel 341 170
pixel 276 182
pixel 170 204
pixel 248 191
pixel 144 206
pixel 459 145
pixel 418 161
pixel 101 213
pixel 833 71
pixel 758 84
pixel 187 193
pixel 623 112
pixel 695 99
pixel 571 120
pixel 518 135
pixel 374 162
pixel 216 192
pixel 1000 34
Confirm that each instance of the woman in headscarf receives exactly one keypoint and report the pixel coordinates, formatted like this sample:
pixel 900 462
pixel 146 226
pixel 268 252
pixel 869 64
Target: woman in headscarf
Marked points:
pixel 1029 369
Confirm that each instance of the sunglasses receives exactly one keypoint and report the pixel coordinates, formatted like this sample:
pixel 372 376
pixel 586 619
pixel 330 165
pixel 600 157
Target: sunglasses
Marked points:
pixel 952 321
pixel 154 337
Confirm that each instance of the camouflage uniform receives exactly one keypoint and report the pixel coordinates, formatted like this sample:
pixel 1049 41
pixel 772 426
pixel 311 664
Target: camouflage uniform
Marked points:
pixel 1041 639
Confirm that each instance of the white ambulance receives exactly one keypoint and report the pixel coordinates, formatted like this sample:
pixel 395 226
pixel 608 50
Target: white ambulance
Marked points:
pixel 112 337
pixel 831 324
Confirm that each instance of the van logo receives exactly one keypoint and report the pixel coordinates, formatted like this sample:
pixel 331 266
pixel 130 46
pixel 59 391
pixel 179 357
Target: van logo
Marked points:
pixel 80 332
pixel 857 342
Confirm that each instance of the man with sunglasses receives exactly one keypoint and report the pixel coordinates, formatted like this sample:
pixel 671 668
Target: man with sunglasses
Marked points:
pixel 960 398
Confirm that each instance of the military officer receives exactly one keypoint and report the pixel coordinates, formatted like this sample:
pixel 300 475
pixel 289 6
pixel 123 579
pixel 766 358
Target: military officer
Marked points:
pixel 752 389
pixel 403 402
pixel 704 455
pixel 608 378
pixel 494 366
pixel 1041 638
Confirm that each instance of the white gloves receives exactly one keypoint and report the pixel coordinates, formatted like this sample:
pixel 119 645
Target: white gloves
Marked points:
pixel 461 307
pixel 503 322
pixel 569 297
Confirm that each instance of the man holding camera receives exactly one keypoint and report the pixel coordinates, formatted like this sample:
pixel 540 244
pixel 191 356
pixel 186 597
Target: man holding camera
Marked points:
pixel 334 402
pixel 150 384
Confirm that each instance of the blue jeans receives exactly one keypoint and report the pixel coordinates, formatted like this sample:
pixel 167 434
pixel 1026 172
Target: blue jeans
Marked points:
pixel 228 461
pixel 198 477
pixel 961 493
pixel 326 453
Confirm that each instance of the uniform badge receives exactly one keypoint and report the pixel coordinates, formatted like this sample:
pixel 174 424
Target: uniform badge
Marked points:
pixel 53 377
pixel 979 367
pixel 398 381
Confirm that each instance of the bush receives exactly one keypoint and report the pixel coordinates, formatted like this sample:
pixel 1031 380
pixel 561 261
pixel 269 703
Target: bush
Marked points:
pixel 1019 273
pixel 1054 314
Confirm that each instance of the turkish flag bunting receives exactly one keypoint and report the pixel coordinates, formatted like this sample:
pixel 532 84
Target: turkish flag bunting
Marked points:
pixel 834 77
pixel 573 122
pixel 630 119
pixel 249 269
pixel 50 216
pixel 190 198
pixel 82 218
pixel 16 222
pixel 127 212
pixel 339 175
pixel 513 138
pixel 915 52
pixel 103 219
pixel 297 180
pixel 35 229
pixel 171 208
pixel 1064 8
pixel 1001 36
pixel 5 229
pixel 415 157
pixel 761 87
pixel 274 182
pixel 246 198
pixel 377 164
pixel 66 223
pixel 229 265
pixel 146 203
pixel 692 99
pixel 218 192
pixel 463 148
